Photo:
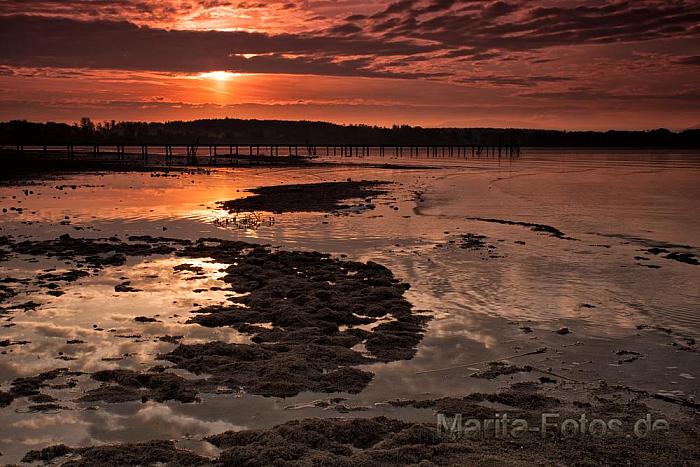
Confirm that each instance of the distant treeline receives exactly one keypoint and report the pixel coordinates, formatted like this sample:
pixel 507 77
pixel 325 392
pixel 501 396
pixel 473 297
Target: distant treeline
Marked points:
pixel 235 131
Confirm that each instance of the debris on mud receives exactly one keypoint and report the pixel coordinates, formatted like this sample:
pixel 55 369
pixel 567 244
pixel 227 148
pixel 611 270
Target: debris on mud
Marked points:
pixel 145 319
pixel 96 253
pixel 627 356
pixel 245 221
pixel 30 386
pixel 471 241
pixel 42 399
pixel 125 287
pixel 280 370
pixel 171 339
pixel 553 231
pixel 6 292
pixel 308 197
pixel 687 258
pixel 5 399
pixel 497 369
pixel 468 406
pixel 306 311
pixel 45 408
pixel 8 343
pixel 682 257
pixel 128 385
pixel 656 250
pixel 524 400
pixel 199 270
pixel 676 399
pixel 383 441
pixel 150 453
pixel 68 276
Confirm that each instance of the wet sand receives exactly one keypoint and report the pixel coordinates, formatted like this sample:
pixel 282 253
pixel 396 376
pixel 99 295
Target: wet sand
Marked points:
pixel 458 293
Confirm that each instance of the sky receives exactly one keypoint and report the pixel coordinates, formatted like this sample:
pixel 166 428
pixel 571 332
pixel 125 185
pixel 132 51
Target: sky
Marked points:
pixel 562 64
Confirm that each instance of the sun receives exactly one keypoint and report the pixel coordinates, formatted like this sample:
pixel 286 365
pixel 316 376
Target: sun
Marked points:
pixel 218 75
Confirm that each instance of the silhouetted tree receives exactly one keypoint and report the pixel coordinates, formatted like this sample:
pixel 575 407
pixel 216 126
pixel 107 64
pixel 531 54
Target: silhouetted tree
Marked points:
pixel 236 131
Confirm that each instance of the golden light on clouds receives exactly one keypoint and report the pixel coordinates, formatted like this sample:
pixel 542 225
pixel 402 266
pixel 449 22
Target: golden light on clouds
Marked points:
pixel 577 64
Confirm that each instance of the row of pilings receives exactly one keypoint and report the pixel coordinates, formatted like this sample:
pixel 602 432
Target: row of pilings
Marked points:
pixel 194 153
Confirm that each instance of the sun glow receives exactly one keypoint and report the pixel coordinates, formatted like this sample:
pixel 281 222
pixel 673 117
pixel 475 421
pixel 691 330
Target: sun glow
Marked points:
pixel 218 75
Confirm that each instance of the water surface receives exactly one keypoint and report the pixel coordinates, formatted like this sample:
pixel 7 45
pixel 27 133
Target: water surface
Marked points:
pixel 611 205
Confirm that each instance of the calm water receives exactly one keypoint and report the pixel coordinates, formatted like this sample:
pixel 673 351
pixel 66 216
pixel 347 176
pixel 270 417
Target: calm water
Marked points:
pixel 614 204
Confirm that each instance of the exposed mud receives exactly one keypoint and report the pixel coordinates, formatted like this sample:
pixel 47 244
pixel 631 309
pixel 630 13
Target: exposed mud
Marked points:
pixel 474 242
pixel 127 385
pixel 497 369
pixel 383 441
pixel 517 398
pixel 150 453
pixel 86 256
pixel 680 256
pixel 311 302
pixel 309 197
pixel 274 370
pixel 31 386
pixel 311 321
pixel 306 312
pixel 471 241
pixel 95 253
pixel 687 258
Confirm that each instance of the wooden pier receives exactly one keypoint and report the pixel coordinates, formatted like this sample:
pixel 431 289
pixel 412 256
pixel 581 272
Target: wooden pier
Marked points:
pixel 218 153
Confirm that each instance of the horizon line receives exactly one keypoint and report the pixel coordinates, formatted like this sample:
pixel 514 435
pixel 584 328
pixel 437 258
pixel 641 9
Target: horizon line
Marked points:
pixel 326 122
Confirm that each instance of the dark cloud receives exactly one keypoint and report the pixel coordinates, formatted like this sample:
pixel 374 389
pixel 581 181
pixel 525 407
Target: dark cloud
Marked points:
pixel 401 6
pixel 519 25
pixel 562 55
pixel 59 42
pixel 497 9
pixel 690 60
pixel 686 98
pixel 438 30
pixel 524 81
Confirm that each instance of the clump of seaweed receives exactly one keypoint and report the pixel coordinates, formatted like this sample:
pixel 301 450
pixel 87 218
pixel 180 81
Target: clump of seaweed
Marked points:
pixel 311 305
pixel 96 253
pixel 128 385
pixel 308 197
pixel 149 453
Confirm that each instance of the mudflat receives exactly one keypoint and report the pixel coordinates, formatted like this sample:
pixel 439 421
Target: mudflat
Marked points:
pixel 342 333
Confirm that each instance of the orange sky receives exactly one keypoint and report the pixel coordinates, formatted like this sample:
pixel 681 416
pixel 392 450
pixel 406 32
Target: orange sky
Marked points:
pixel 568 64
